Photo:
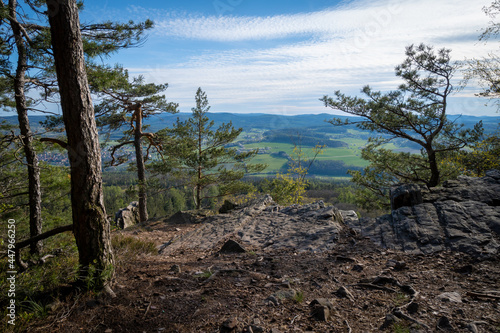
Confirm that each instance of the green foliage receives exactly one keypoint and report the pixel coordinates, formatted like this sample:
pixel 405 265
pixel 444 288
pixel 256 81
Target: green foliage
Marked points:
pixel 299 297
pixel 401 328
pixel 11 173
pixel 200 158
pixel 331 168
pixel 205 274
pixel 100 40
pixel 56 203
pixel 122 97
pixel 285 189
pixel 167 202
pixel 38 286
pixel 115 199
pixel 290 188
pixel 482 156
pixel 103 39
pixel 416 112
pixel 33 309
pixel 308 138
pixel 126 104
pixel 94 277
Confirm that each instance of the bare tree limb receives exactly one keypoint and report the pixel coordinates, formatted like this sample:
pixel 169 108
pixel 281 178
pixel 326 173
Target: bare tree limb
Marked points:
pixel 55 141
pixel 115 148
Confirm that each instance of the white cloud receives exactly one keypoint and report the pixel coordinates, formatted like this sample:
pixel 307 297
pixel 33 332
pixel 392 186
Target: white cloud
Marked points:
pixel 366 17
pixel 339 48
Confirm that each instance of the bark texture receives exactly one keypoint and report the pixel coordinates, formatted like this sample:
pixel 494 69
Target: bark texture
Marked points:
pixel 90 225
pixel 141 169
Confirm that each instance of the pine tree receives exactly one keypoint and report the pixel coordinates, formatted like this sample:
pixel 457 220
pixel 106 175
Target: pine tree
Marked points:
pixel 416 112
pixel 126 103
pixel 201 158
pixel 90 225
pixel 21 104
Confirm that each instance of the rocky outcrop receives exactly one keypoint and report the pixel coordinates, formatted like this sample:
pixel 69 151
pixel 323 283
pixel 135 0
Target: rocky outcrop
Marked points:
pixel 462 215
pixel 264 225
pixel 128 217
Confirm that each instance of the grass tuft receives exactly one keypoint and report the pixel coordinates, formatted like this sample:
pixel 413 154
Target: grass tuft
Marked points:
pixel 132 245
pixel 299 297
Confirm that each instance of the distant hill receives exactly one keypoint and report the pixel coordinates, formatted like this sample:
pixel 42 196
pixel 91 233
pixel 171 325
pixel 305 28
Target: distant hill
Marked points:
pixel 276 136
pixel 269 121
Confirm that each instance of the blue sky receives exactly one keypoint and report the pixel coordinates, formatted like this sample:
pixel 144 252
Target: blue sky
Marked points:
pixel 282 56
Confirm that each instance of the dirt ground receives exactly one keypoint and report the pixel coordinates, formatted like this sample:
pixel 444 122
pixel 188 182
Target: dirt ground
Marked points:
pixel 357 287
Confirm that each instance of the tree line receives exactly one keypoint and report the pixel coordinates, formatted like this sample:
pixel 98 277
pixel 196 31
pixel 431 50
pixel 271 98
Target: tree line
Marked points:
pixel 306 137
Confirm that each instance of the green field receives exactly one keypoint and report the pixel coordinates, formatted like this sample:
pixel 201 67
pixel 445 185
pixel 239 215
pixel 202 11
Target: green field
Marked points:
pixel 350 156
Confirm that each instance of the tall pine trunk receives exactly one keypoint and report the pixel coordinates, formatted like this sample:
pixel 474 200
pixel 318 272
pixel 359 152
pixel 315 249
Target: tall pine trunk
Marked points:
pixel 141 169
pixel 34 191
pixel 200 170
pixel 90 225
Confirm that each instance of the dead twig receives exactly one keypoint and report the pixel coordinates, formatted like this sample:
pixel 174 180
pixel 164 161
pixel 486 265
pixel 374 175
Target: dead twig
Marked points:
pixel 481 295
pixel 347 324
pixel 398 313
pixel 373 286
pixel 147 310
pixel 297 316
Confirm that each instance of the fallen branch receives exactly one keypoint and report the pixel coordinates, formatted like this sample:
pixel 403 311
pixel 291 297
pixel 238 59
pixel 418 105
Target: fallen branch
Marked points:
pixel 411 300
pixel 22 265
pixel 398 313
pixel 254 275
pixel 478 295
pixel 347 324
pixel 373 286
pixel 147 310
pixel 43 259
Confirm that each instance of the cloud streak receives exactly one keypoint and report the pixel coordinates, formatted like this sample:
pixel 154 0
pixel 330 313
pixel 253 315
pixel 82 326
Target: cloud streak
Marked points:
pixel 423 17
pixel 299 58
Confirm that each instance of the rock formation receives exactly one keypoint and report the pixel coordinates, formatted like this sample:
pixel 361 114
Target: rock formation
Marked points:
pixel 264 225
pixel 127 217
pixel 462 215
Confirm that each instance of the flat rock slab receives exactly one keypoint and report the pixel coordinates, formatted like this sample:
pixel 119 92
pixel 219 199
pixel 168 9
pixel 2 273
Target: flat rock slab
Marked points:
pixel 264 225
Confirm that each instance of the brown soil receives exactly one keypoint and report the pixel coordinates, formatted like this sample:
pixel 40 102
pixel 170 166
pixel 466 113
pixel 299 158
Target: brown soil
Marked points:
pixel 216 292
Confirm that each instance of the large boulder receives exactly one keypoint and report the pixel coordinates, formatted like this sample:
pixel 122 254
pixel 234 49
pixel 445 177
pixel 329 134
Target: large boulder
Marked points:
pixel 405 195
pixel 129 216
pixel 462 215
pixel 188 216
